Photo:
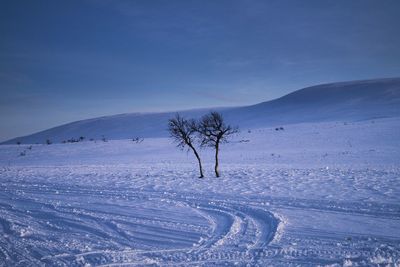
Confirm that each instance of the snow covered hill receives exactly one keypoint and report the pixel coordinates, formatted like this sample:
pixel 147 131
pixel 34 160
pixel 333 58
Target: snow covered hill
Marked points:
pixel 345 101
pixel 313 194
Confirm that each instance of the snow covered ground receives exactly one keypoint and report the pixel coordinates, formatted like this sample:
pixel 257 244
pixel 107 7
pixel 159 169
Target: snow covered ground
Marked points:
pixel 311 194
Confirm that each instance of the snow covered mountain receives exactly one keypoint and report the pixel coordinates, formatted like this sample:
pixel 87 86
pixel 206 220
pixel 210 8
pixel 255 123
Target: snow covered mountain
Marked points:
pixel 345 101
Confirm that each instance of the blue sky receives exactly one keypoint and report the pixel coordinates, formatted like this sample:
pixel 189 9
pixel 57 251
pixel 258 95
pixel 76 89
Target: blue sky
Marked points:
pixel 62 61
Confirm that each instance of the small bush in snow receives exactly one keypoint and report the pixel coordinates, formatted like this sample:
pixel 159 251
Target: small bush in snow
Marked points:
pixel 137 140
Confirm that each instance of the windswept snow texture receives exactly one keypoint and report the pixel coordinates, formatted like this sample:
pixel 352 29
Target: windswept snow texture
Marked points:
pixel 310 194
pixel 346 101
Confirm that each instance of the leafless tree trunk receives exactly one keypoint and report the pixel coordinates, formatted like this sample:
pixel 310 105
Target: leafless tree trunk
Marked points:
pixel 216 160
pixel 199 160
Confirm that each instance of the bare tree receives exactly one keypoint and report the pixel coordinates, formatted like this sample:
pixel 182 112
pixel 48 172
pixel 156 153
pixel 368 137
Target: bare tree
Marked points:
pixel 183 132
pixel 213 131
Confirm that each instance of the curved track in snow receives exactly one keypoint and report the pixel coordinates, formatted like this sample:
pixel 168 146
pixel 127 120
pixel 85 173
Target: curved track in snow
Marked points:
pixel 45 224
pixel 60 223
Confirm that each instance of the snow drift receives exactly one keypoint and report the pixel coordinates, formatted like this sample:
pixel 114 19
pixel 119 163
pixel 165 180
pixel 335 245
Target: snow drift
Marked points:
pixel 345 101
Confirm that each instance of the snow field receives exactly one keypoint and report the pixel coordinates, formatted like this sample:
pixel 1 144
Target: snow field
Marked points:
pixel 312 194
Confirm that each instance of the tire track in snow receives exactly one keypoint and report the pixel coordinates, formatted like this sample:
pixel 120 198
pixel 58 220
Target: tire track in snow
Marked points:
pixel 55 210
pixel 232 228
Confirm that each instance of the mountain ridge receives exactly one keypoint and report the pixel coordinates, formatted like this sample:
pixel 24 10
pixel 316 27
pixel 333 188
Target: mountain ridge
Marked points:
pixel 349 100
